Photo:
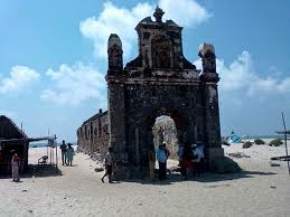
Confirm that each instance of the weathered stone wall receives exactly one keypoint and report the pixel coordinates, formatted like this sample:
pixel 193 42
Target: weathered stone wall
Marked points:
pixel 178 102
pixel 93 135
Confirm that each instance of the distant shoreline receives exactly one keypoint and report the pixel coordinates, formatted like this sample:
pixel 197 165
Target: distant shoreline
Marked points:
pixel 42 145
pixel 258 136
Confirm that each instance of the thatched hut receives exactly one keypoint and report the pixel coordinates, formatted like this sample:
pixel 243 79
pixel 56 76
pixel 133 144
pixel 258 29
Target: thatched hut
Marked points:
pixel 12 139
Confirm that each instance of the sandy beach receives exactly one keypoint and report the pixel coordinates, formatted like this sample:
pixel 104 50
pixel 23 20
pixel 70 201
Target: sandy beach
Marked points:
pixel 260 190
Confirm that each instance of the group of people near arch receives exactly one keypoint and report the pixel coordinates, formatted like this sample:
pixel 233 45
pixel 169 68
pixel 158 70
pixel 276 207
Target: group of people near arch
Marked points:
pixel 190 161
pixel 190 156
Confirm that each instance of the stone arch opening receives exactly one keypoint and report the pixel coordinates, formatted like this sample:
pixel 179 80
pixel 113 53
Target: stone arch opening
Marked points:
pixel 180 122
pixel 164 130
pixel 173 123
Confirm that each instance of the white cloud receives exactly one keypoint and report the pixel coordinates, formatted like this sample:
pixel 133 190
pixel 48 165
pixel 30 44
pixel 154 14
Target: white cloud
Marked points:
pixel 114 20
pixel 187 13
pixel 123 21
pixel 240 76
pixel 74 84
pixel 19 78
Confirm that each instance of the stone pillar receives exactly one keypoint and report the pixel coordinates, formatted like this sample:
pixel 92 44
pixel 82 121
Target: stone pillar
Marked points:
pixel 209 80
pixel 117 131
pixel 116 106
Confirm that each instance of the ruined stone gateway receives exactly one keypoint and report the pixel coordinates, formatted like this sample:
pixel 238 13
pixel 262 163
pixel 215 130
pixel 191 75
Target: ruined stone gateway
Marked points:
pixel 159 81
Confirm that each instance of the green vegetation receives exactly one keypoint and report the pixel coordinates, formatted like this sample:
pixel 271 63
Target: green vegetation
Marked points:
pixel 276 142
pixel 224 165
pixel 247 144
pixel 259 142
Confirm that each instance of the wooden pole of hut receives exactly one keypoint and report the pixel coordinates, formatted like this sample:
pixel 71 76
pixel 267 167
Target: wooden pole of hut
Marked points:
pixel 48 137
pixel 285 138
pixel 56 160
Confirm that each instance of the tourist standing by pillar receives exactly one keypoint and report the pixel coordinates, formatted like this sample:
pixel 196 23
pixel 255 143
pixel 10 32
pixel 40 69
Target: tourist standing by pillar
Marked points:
pixel 187 160
pixel 151 158
pixel 180 154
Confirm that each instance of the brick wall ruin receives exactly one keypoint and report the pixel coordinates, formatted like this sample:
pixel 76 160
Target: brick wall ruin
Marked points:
pixel 93 135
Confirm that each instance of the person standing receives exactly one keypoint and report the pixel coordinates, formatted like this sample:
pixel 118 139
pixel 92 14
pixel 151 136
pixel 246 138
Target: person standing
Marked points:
pixel 187 160
pixel 108 162
pixel 198 153
pixel 151 157
pixel 15 165
pixel 63 149
pixel 162 156
pixel 70 154
pixel 180 154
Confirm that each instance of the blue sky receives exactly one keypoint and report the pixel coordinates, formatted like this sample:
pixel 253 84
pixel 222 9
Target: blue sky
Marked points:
pixel 53 58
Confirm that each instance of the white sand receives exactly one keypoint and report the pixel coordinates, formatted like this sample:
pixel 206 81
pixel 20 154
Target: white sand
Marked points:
pixel 261 191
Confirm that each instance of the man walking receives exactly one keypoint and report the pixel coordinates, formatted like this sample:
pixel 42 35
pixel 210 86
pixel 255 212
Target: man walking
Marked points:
pixel 63 149
pixel 108 161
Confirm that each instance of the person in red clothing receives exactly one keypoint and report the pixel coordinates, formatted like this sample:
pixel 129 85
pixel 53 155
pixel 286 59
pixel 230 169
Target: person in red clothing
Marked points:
pixel 187 160
pixel 15 165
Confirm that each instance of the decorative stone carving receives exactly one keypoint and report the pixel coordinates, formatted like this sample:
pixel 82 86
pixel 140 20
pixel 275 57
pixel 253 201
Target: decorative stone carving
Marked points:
pixel 161 52
pixel 158 14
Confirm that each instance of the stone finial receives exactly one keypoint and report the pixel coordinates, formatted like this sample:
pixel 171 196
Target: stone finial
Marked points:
pixel 205 49
pixel 158 14
pixel 208 58
pixel 115 52
pixel 114 40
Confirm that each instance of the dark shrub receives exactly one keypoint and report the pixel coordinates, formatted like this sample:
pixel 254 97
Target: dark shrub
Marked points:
pixel 224 165
pixel 259 142
pixel 247 144
pixel 276 142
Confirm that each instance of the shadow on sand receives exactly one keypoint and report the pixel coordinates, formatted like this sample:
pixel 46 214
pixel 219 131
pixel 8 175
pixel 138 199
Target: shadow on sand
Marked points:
pixel 204 177
pixel 37 171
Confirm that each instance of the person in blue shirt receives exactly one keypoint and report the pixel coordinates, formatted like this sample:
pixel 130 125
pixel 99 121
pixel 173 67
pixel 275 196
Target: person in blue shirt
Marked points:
pixel 162 156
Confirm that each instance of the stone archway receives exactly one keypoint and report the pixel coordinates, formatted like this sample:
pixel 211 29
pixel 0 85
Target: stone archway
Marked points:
pixel 159 81
pixel 176 123
pixel 164 130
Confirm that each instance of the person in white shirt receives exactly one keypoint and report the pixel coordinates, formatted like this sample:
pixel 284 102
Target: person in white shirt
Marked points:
pixel 198 153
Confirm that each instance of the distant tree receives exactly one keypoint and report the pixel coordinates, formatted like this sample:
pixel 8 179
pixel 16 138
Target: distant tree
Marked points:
pixel 276 142
pixel 247 144
pixel 259 142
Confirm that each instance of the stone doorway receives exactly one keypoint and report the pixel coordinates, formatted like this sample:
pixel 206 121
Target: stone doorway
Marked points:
pixel 164 130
